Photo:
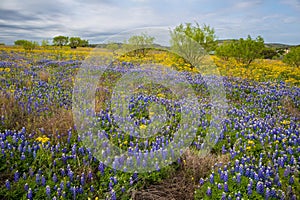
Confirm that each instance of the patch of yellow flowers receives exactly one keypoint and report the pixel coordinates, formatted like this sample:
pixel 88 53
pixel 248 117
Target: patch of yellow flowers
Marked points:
pixel 43 139
pixel 251 144
pixel 259 70
pixel 6 69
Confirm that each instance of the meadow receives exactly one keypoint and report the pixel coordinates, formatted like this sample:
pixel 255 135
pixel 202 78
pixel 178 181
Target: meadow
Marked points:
pixel 256 156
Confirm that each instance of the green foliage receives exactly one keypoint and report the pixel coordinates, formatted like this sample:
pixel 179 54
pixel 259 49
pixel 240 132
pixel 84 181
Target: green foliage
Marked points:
pixel 60 40
pixel 45 43
pixel 268 53
pixel 205 36
pixel 112 46
pixel 84 43
pixel 186 40
pixel 225 50
pixel 74 42
pixel 243 50
pixel 293 57
pixel 137 44
pixel 20 42
pixel 27 45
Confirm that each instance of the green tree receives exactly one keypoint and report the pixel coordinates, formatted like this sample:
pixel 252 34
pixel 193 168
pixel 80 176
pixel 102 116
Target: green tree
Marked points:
pixel 84 43
pixel 204 35
pixel 244 51
pixel 224 51
pixel 193 41
pixel 45 43
pixel 20 42
pixel 138 44
pixel 293 57
pixel 112 46
pixel 27 45
pixel 60 41
pixel 247 50
pixel 268 53
pixel 74 42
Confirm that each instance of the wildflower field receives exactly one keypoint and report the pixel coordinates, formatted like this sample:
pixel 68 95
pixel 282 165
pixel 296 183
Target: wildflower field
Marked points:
pixel 256 156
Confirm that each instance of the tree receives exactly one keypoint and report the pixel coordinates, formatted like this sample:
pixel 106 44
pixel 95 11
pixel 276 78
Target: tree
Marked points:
pixel 268 53
pixel 205 36
pixel 60 40
pixel 243 50
pixel 84 43
pixel 20 42
pixel 137 44
pixel 27 45
pixel 293 57
pixel 45 43
pixel 74 42
pixel 193 41
pixel 224 51
pixel 112 46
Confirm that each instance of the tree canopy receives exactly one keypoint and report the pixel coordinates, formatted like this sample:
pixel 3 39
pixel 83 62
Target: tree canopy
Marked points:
pixel 192 42
pixel 137 44
pixel 60 40
pixel 293 57
pixel 26 44
pixel 243 50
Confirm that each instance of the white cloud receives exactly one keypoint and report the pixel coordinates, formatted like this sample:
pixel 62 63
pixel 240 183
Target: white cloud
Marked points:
pixel 97 19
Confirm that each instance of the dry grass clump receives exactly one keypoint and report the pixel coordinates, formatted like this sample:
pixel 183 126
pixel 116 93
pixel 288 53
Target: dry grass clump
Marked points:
pixel 54 120
pixel 182 183
pixel 290 108
pixel 44 76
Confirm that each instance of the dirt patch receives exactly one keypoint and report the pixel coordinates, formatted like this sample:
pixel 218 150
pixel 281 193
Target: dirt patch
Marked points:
pixel 183 182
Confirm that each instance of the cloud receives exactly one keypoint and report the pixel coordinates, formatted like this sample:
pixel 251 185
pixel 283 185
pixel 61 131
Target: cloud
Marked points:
pixel 247 4
pixel 295 4
pixel 96 19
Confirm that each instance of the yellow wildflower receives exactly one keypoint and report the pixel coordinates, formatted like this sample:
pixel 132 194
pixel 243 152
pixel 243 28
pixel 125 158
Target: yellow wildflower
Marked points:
pixel 248 148
pixel 151 114
pixel 161 95
pixel 143 126
pixel 250 142
pixel 285 122
pixel 284 140
pixel 42 139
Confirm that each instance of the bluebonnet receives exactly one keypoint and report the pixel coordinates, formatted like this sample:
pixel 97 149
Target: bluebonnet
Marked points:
pixel 92 188
pixel 26 187
pixel 29 194
pixel 201 181
pixel 54 178
pixel 37 178
pixel 291 180
pixel 62 185
pixel 43 180
pixel 16 176
pixel 219 186
pixel 24 176
pixel 7 184
pixel 211 178
pixel 208 192
pixel 226 187
pixel 260 188
pixel 48 191
pixel 249 190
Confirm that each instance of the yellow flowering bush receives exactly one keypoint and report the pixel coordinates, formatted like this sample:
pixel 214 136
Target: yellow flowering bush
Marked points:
pixel 259 70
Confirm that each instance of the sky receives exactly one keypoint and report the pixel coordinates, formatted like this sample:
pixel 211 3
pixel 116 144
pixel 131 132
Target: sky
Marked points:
pixel 277 21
